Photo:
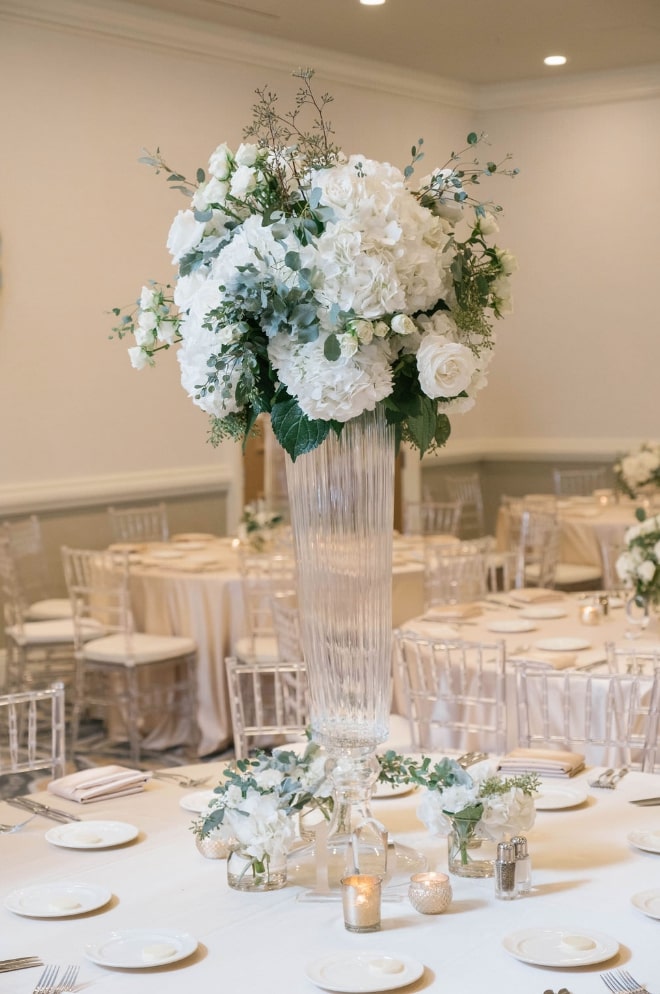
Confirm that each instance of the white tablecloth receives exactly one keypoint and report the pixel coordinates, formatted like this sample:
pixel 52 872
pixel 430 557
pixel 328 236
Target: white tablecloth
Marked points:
pixel 172 597
pixel 584 875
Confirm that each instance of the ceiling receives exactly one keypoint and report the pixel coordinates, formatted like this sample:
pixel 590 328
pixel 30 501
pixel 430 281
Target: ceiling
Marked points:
pixel 474 41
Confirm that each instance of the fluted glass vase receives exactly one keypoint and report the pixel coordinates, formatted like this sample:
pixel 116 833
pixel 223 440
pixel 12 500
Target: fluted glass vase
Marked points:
pixel 341 498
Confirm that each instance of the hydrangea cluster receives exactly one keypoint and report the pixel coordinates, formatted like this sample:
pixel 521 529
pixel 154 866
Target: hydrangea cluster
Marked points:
pixel 315 285
pixel 639 468
pixel 639 566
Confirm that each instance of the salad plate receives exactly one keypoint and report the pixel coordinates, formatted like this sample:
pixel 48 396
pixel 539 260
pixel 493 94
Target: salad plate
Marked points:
pixel 92 834
pixel 553 796
pixel 646 841
pixel 560 946
pixel 58 900
pixel 648 902
pixel 197 801
pixel 511 625
pixel 566 644
pixel 363 972
pixel 543 612
pixel 141 948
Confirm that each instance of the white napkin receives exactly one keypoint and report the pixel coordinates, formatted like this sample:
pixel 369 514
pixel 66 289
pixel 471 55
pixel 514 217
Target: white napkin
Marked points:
pixel 99 783
pixel 535 595
pixel 557 660
pixel 546 762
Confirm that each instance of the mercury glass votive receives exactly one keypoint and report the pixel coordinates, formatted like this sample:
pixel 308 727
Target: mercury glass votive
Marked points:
pixel 590 613
pixel 360 895
pixel 212 848
pixel 430 893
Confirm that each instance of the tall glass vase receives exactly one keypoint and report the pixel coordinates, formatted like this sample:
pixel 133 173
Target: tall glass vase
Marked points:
pixel 341 497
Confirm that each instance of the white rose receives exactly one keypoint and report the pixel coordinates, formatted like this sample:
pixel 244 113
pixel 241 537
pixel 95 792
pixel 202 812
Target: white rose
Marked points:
pixel 166 331
pixel 242 182
pixel 364 331
pixel 144 336
pixel 380 329
pixel 185 234
pixel 147 320
pixel 147 298
pixel 246 155
pixel 488 225
pixel 445 368
pixel 507 261
pixel 220 162
pixel 403 325
pixel 139 358
pixel 348 345
pixel 646 571
pixel 213 192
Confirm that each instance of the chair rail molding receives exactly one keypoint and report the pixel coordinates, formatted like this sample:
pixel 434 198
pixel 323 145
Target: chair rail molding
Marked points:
pixel 52 495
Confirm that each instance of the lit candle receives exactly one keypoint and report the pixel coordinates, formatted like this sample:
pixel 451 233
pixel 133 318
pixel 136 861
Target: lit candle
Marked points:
pixel 590 614
pixel 360 894
pixel 430 893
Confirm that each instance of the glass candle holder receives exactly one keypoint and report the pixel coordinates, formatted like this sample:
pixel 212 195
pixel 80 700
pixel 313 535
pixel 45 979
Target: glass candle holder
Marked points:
pixel 430 893
pixel 360 894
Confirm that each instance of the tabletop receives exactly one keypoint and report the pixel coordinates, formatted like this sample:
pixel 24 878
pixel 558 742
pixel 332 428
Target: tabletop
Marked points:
pixel 585 873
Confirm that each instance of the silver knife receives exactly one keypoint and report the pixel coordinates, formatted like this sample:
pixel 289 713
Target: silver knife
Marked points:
pixel 646 802
pixel 23 963
pixel 27 804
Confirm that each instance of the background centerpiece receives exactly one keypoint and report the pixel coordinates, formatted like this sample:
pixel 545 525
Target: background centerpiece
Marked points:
pixel 335 293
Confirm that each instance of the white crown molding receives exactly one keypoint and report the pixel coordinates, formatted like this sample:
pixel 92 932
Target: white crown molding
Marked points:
pixel 128 24
pixel 641 83
pixel 530 450
pixel 73 492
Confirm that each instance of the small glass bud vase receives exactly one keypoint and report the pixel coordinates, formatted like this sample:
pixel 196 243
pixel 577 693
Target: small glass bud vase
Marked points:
pixel 470 853
pixel 244 872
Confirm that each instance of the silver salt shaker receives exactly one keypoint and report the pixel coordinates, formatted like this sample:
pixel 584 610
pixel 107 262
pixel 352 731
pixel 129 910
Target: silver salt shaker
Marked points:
pixel 505 872
pixel 523 865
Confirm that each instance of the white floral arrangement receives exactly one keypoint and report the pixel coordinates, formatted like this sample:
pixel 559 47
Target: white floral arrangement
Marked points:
pixel 639 566
pixel 315 285
pixel 640 468
pixel 258 526
pixel 455 799
pixel 251 810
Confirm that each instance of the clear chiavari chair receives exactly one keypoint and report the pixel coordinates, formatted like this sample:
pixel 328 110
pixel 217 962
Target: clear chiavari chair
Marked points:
pixel 147 523
pixel 32 731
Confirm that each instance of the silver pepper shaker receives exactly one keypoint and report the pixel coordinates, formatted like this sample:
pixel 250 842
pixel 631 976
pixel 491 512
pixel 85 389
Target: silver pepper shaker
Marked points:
pixel 505 872
pixel 523 865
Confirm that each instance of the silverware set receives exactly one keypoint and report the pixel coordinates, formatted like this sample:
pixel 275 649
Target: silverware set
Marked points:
pixel 7 829
pixel 19 963
pixel 621 982
pixel 609 778
pixel 180 779
pixel 36 808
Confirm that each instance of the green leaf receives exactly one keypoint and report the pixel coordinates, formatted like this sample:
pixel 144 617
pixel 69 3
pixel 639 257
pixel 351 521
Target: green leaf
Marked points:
pixel 201 175
pixel 331 349
pixel 294 430
pixel 422 426
pixel 442 429
pixel 292 260
pixel 472 138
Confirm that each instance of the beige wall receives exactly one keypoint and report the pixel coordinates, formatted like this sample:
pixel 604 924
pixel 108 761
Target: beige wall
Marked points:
pixel 87 85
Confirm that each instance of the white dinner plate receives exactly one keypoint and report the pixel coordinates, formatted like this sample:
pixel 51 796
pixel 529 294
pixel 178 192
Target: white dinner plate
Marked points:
pixel 384 790
pixel 566 644
pixel 560 946
pixel 648 841
pixel 648 901
pixel 191 546
pixel 366 971
pixel 165 554
pixel 552 796
pixel 92 834
pixel 188 537
pixel 543 612
pixel 511 625
pixel 141 948
pixel 198 801
pixel 57 900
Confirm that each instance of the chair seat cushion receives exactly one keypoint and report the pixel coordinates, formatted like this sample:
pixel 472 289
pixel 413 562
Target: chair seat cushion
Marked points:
pixel 567 573
pixel 49 610
pixel 140 649
pixel 262 649
pixel 42 632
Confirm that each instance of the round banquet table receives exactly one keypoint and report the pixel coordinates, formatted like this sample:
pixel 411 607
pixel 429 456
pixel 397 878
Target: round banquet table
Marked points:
pixel 585 872
pixel 194 589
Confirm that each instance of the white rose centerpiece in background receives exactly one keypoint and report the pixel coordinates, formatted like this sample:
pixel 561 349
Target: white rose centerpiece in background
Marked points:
pixel 639 566
pixel 638 469
pixel 313 285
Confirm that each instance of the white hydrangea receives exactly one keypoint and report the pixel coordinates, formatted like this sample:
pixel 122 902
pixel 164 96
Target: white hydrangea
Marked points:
pixel 198 344
pixel 331 390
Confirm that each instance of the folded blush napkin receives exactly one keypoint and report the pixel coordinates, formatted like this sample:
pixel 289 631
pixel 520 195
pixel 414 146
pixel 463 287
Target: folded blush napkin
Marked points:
pixel 535 595
pixel 452 612
pixel 99 783
pixel 545 762
pixel 557 660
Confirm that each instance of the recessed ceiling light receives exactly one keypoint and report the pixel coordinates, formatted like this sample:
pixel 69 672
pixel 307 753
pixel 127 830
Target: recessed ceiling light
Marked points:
pixel 372 3
pixel 555 60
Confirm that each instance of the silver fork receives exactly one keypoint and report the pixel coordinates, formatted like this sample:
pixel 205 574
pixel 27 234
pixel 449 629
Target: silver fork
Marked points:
pixel 17 826
pixel 67 981
pixel 182 780
pixel 46 980
pixel 621 982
